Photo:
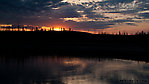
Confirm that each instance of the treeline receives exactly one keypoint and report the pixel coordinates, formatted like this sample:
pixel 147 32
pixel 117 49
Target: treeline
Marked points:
pixel 125 33
pixel 32 28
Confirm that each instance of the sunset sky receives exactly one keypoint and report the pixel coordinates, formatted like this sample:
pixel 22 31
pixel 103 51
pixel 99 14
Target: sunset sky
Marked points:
pixel 100 15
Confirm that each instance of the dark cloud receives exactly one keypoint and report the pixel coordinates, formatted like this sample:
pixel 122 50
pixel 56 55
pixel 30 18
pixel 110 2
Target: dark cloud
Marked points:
pixel 118 1
pixel 26 5
pixel 145 15
pixel 90 14
pixel 132 24
pixel 90 25
pixel 66 11
pixel 18 10
pixel 121 21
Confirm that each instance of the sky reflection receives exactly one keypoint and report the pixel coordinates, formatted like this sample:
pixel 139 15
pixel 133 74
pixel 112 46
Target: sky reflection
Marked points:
pixel 65 70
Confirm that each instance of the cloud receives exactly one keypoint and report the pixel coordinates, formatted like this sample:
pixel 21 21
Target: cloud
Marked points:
pixel 94 13
pixel 76 2
pixel 110 11
pixel 145 15
pixel 88 25
pixel 118 1
pixel 25 10
pixel 66 11
pixel 132 24
pixel 117 11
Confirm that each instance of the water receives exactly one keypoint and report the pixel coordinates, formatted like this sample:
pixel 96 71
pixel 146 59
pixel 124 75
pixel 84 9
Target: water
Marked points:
pixel 68 70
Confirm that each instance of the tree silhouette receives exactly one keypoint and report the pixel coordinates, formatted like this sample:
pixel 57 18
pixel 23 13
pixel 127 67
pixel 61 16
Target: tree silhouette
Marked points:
pixel 23 29
pixel 63 29
pixel 69 29
pixel 119 33
pixel 36 28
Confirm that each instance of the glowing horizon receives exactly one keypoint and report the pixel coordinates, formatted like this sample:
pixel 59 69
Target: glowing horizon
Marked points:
pixel 53 28
pixel 85 15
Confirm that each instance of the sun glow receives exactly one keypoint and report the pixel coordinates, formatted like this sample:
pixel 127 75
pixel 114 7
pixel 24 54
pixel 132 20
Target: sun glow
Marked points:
pixel 53 28
pixel 5 25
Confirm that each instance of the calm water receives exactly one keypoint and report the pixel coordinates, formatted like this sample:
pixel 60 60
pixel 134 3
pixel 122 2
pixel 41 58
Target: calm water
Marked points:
pixel 67 70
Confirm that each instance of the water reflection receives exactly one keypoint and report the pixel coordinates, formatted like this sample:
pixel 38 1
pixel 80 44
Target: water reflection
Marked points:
pixel 68 70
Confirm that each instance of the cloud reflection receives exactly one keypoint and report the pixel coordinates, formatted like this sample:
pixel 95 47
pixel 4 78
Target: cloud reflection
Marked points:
pixel 59 70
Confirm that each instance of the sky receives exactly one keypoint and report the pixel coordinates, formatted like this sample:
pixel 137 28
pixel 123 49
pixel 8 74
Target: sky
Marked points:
pixel 86 15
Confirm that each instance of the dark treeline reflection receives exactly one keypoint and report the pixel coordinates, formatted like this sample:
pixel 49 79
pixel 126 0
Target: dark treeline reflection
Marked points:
pixel 71 70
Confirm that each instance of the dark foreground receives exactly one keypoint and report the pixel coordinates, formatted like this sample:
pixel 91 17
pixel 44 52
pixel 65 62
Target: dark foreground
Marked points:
pixel 74 44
